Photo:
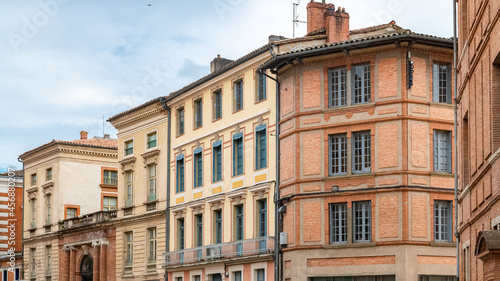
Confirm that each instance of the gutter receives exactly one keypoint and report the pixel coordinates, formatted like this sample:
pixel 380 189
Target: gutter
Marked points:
pixel 163 101
pixel 455 127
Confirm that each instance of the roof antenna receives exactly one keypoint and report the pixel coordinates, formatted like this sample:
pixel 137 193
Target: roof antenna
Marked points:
pixel 296 17
pixel 103 125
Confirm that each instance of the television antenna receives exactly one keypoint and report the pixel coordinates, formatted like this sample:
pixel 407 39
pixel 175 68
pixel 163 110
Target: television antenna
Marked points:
pixel 296 20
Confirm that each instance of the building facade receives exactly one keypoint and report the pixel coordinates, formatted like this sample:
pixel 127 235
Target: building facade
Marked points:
pixel 222 163
pixel 143 169
pixel 69 202
pixel 478 70
pixel 366 144
pixel 11 217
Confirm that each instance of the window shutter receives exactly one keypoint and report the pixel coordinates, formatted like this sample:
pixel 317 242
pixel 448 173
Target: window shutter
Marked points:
pixel 263 152
pixel 435 82
pixel 436 150
pixel 449 152
pixel 448 84
pixel 182 176
pixel 219 163
pixel 353 85
pixel 200 169
pixel 240 156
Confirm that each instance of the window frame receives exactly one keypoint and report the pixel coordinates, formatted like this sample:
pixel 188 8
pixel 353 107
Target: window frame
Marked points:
pixel 238 95
pixel 108 205
pixel 181 234
pixel 181 121
pixel 365 89
pixel 437 83
pixel 239 222
pixel 198 167
pixel 262 221
pixel 180 181
pixel 218 227
pixel 365 163
pixel 48 260
pixel 107 177
pixel 238 155
pixel 260 86
pixel 336 92
pixel 366 228
pixel 440 137
pixel 129 248
pixel 198 113
pixel 152 243
pixel 128 147
pixel 48 174
pixel 129 188
pixel 217 104
pixel 217 159
pixel 33 179
pixel 152 182
pixel 339 218
pixel 261 147
pixel 439 207
pixel 341 151
pixel 149 141
pixel 48 209
pixel 198 233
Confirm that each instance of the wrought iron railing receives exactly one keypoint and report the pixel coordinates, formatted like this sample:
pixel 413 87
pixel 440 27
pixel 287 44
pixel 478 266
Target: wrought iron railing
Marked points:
pixel 214 252
pixel 88 219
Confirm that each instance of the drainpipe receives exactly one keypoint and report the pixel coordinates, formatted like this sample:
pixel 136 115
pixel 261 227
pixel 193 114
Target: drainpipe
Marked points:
pixel 276 185
pixel 455 91
pixel 163 101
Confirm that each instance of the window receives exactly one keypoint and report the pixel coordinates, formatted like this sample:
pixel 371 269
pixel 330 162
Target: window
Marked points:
pixel 180 121
pixel 337 79
pixel 361 145
pixel 436 278
pixel 360 85
pixel 33 213
pixel 238 210
pixel 237 276
pixel 129 248
pixel 109 203
pixel 198 230
pixel 71 213
pixel 218 226
pixel 33 262
pixel 152 245
pixel 129 188
pixel 48 262
pixel 261 274
pixel 198 167
pixel 152 182
pixel 238 154
pixel 4 275
pixel 217 161
pixel 238 95
pixel 262 217
pixel 197 278
pixel 180 234
pixel 129 147
pixel 48 208
pixel 217 100
pixel 180 174
pixel 151 138
pixel 362 221
pixel 110 177
pixel 261 86
pixel 33 179
pixel 338 154
pixel 442 221
pixel 198 113
pixel 48 174
pixel 467 263
pixel 441 83
pixel 260 147
pixel 442 151
pixel 338 223
pixel 18 274
pixel 465 150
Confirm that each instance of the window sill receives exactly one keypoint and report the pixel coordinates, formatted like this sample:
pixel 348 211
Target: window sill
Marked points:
pixel 451 175
pixel 108 186
pixel 443 244
pixel 350 245
pixel 349 107
pixel 360 175
pixel 443 104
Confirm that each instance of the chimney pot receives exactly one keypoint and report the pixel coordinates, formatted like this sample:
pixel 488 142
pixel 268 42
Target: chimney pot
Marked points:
pixel 343 10
pixel 83 135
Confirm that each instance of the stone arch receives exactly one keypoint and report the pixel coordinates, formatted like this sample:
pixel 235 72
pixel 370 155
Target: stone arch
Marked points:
pixel 87 267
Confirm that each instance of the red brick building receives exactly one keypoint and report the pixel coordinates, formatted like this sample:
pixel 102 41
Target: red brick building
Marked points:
pixel 366 145
pixel 478 97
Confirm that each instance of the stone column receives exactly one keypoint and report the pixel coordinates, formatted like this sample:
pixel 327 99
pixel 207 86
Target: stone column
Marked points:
pixel 72 264
pixel 96 263
pixel 103 271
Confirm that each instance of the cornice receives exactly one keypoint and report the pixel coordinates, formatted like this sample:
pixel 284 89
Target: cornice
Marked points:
pixel 56 150
pixel 155 111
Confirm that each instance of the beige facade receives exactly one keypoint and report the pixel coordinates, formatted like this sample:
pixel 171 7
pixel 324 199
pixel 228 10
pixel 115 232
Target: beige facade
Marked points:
pixel 142 158
pixel 63 179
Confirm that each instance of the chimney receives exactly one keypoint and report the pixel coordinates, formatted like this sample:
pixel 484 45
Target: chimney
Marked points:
pixel 83 135
pixel 219 63
pixel 322 15
pixel 106 136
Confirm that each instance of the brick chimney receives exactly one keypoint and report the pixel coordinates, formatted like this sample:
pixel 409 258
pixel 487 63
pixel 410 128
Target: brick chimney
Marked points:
pixel 322 15
pixel 218 63
pixel 83 135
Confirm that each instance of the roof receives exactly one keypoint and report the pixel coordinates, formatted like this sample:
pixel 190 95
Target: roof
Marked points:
pixel 17 174
pixel 487 241
pixel 93 142
pixel 134 109
pixel 376 27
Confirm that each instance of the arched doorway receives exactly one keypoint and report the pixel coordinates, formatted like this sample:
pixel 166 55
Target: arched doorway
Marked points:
pixel 87 268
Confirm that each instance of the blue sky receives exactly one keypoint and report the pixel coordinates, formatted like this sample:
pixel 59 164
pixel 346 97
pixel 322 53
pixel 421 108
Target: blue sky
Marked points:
pixel 66 63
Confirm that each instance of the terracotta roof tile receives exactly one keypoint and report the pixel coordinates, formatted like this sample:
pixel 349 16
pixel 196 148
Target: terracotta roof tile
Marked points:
pixel 93 142
pixel 17 174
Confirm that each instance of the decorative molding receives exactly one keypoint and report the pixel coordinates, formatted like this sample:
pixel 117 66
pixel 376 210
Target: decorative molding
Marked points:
pixel 127 161
pixel 147 114
pixel 150 155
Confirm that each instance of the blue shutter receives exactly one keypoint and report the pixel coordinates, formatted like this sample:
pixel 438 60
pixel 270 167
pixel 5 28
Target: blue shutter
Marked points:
pixel 260 147
pixel 217 161
pixel 240 156
pixel 200 169
pixel 237 154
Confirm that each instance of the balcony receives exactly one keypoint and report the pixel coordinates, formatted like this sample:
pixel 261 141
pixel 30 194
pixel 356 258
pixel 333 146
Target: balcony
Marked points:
pixel 215 252
pixel 88 219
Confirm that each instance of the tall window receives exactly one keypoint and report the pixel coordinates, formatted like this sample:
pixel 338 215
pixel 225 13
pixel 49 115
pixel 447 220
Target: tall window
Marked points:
pixel 238 95
pixel 239 221
pixel 361 147
pixel 109 203
pixel 260 147
pixel 198 167
pixel 180 233
pixel 237 276
pixel 48 207
pixel 442 221
pixel 198 113
pixel 217 100
pixel 129 188
pixel 129 248
pixel 129 147
pixel 338 223
pixel 48 262
pixel 441 83
pixel 261 86
pixel 33 213
pixel 442 151
pixel 238 154
pixel 218 226
pixel 151 245
pixel 180 174
pixel 180 121
pixel 261 274
pixel 262 217
pixel 362 221
pixel 198 230
pixel 48 174
pixel 110 177
pixel 337 85
pixel 338 154
pixel 33 261
pixel 33 179
pixel 71 213
pixel 152 182
pixel 217 161
pixel 361 88
pixel 151 138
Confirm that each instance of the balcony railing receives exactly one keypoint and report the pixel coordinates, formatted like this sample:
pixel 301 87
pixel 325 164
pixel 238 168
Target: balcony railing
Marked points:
pixel 88 219
pixel 110 181
pixel 214 252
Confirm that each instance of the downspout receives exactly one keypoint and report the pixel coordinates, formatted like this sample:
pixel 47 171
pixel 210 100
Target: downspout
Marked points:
pixel 276 185
pixel 456 131
pixel 163 101
pixel 22 219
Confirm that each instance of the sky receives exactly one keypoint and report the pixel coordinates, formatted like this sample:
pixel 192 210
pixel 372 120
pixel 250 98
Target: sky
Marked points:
pixel 64 64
